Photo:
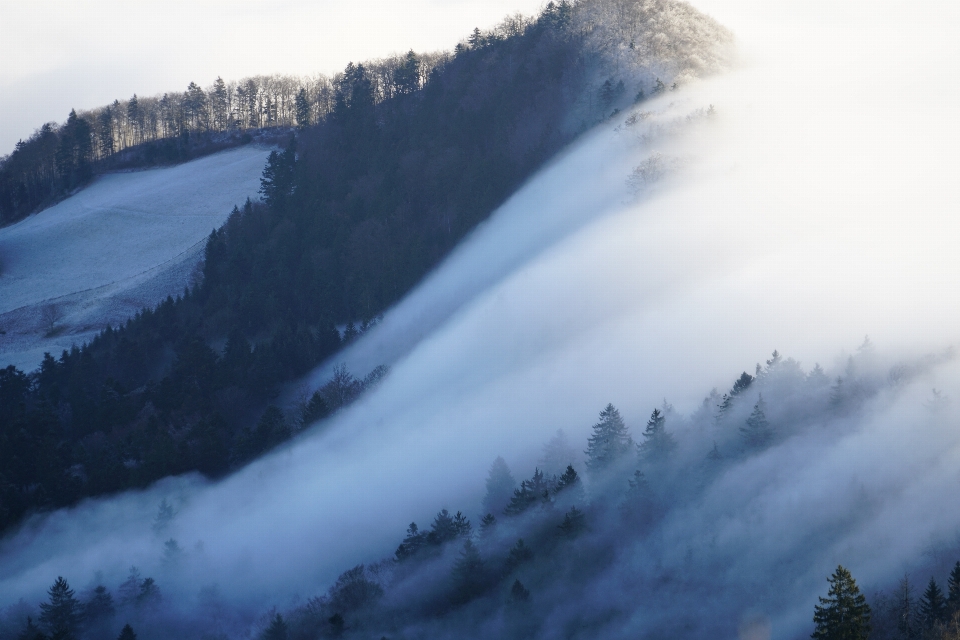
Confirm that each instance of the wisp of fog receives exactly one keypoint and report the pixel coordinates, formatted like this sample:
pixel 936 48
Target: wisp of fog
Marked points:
pixel 799 202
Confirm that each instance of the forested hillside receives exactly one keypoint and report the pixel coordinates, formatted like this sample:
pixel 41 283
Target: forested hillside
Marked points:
pixel 579 429
pixel 355 210
pixel 577 547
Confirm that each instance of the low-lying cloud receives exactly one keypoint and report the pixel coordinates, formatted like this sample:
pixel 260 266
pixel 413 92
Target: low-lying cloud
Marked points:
pixel 813 206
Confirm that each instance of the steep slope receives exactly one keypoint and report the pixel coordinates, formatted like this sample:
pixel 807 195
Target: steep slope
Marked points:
pixel 692 246
pixel 125 243
pixel 356 211
pixel 786 226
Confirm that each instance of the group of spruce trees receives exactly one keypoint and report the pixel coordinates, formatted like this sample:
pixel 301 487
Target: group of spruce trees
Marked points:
pixel 532 538
pixel 65 617
pixel 845 615
pixel 34 451
pixel 610 449
pixel 481 564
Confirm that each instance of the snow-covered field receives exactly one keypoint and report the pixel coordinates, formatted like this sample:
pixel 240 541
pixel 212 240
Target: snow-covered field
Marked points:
pixel 127 241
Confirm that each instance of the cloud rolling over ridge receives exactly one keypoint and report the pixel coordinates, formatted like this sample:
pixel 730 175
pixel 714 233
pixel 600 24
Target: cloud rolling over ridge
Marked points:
pixel 812 208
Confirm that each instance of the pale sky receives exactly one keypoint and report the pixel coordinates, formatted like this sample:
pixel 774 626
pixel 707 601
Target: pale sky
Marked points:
pixel 56 55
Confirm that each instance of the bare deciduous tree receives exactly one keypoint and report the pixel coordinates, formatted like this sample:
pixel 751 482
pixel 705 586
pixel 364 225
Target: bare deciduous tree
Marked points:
pixel 50 314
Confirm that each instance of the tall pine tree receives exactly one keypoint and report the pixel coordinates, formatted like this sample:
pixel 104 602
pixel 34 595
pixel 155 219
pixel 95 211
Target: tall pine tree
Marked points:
pixel 500 486
pixel 61 615
pixel 844 614
pixel 277 629
pixel 933 606
pixel 757 432
pixel 953 589
pixel 610 440
pixel 302 106
pixel 469 574
pixel 657 443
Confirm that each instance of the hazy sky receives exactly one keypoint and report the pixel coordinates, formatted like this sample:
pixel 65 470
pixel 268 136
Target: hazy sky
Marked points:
pixel 57 55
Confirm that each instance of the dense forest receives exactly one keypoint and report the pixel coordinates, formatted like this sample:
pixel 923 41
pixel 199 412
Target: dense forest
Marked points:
pixel 567 551
pixel 354 211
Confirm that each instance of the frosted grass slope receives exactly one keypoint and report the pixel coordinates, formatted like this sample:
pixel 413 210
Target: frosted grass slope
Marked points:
pixel 125 242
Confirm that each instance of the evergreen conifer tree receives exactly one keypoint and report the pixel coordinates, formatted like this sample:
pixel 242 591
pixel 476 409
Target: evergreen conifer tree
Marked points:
pixel 195 101
pixel 606 93
pixel 135 118
pixel 31 631
pixel 149 595
pixel 73 152
pixel 519 554
pixel 657 443
pixel 500 486
pixel 337 624
pixel 172 553
pixel 933 606
pixel 774 361
pixel 557 454
pixel 443 528
pixel 61 614
pixel 127 633
pixel 468 573
pixel 739 386
pixel 406 78
pixel 569 480
pixel 129 590
pixel 353 591
pixel 413 542
pixel 104 131
pixel 531 491
pixel 817 377
pixel 461 525
pixel 99 606
pixel 220 102
pixel 302 107
pixel 518 592
pixel 953 589
pixel 314 410
pixel 277 182
pixel 476 39
pixel 610 440
pixel 487 523
pixel 277 629
pixel 757 432
pixel 638 483
pixel 573 523
pixel 639 507
pixel 844 614
pixel 165 514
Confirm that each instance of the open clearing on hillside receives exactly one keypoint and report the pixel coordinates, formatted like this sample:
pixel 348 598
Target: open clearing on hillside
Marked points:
pixel 127 241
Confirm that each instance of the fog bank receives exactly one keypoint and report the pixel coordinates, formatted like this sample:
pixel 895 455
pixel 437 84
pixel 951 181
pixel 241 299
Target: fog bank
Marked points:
pixel 813 205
